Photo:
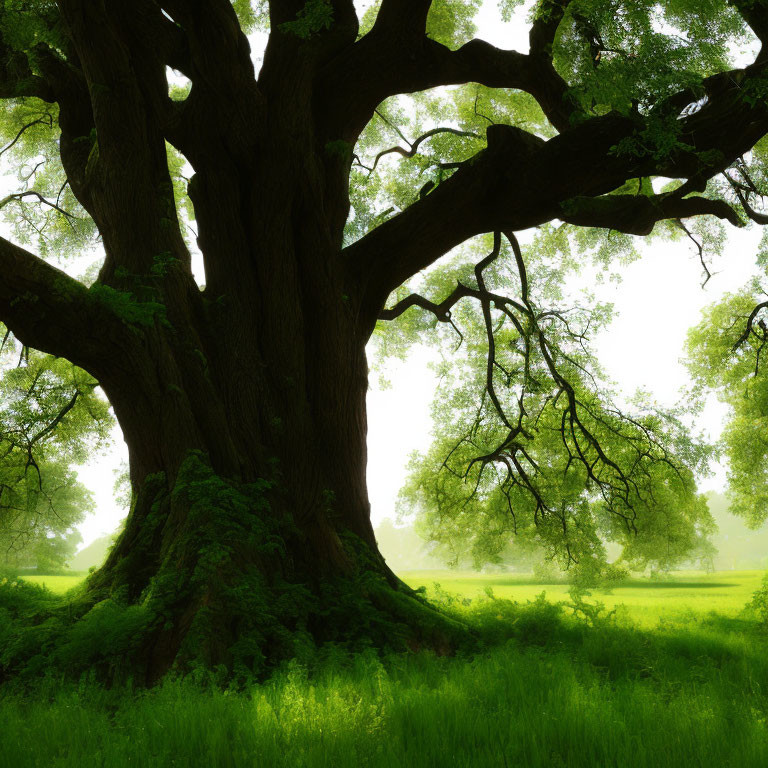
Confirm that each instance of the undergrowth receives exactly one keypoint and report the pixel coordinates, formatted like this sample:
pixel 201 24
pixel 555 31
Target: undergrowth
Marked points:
pixel 545 684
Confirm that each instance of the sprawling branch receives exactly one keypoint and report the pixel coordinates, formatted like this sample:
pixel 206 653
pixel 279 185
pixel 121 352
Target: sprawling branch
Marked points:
pixel 637 215
pixel 50 311
pixel 517 182
pixel 442 311
pixel 385 63
pixel 521 181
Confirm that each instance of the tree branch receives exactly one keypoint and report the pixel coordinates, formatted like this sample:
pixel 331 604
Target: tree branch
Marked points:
pixel 442 311
pixel 50 311
pixel 413 147
pixel 637 215
pixel 383 64
pixel 17 196
pixel 521 181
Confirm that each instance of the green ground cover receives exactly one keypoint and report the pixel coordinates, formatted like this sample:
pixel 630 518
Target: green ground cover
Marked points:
pixel 679 678
pixel 646 601
pixel 57 584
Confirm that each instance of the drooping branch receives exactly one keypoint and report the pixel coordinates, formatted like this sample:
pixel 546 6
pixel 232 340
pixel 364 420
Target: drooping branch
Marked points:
pixel 17 196
pixel 606 454
pixel 699 245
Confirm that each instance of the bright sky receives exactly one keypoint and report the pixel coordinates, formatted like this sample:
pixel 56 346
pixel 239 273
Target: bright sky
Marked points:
pixel 658 300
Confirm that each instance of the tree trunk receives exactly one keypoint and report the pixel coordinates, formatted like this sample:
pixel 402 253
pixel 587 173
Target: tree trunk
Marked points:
pixel 243 404
pixel 246 429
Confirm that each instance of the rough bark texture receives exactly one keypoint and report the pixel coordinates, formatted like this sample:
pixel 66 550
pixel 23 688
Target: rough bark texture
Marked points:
pixel 243 405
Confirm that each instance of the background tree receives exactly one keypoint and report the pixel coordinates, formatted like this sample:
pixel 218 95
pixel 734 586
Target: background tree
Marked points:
pixel 51 419
pixel 727 355
pixel 243 404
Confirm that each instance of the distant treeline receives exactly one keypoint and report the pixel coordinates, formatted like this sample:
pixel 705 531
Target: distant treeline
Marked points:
pixel 735 547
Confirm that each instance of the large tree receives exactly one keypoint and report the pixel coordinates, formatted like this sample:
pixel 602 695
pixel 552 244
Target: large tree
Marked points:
pixel 243 403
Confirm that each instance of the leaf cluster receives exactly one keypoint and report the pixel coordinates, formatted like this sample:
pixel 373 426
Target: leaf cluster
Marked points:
pixel 51 418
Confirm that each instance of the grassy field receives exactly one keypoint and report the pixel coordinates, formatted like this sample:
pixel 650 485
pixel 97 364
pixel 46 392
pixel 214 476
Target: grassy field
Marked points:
pixel 646 601
pixel 678 678
pixel 57 584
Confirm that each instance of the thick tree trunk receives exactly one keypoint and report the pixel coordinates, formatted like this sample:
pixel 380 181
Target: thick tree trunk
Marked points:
pixel 248 464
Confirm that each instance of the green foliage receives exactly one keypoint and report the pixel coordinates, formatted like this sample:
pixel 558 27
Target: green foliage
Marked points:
pixel 252 14
pixel 127 307
pixel 228 565
pixel 758 605
pixel 29 138
pixel 508 8
pixel 644 56
pixel 51 418
pixel 728 358
pixel 314 17
pixel 658 139
pixel 530 450
pixel 451 22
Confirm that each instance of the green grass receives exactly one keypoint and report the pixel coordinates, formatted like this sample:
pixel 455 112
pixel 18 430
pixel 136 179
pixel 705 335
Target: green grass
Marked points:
pixel 57 584
pixel 646 601
pixel 678 679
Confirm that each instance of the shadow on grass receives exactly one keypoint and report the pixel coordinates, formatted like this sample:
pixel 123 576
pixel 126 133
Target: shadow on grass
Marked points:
pixel 672 585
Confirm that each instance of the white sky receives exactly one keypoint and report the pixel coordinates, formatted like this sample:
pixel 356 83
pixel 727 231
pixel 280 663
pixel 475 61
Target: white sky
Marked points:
pixel 658 300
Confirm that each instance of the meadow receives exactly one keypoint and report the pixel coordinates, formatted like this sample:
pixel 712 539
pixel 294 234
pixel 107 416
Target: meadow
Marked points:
pixel 676 677
pixel 645 601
